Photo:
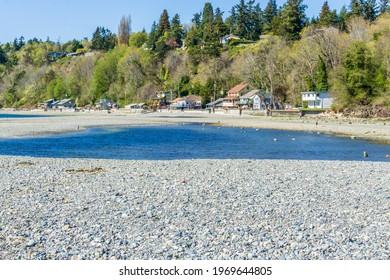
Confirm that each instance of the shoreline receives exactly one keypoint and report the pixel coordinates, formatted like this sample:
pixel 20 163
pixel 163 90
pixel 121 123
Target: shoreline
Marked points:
pixel 49 123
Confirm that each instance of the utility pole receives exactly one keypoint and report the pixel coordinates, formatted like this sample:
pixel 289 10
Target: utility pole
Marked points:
pixel 215 88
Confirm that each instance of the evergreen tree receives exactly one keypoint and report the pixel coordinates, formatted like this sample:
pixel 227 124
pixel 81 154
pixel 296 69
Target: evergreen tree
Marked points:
pixel 207 15
pixel 384 6
pixel 356 8
pixel 257 22
pixel 196 20
pixel 290 20
pixel 327 17
pixel 103 39
pixel 343 16
pixel 164 25
pixel 97 41
pixel 269 13
pixel 3 56
pixel 207 23
pixel 219 27
pixel 18 44
pixel 325 10
pixel 324 15
pixel 109 39
pixel 246 20
pixel 321 76
pixel 370 10
pixel 194 36
pixel 153 37
pixel 240 19
pixel 177 30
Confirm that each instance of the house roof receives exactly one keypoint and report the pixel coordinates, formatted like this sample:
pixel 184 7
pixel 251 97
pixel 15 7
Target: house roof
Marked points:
pixel 230 98
pixel 215 102
pixel 238 88
pixel 313 92
pixel 194 98
pixel 251 93
pixel 231 37
pixel 65 101
pixel 178 99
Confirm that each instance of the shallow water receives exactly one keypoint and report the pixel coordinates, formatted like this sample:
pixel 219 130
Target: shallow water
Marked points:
pixel 21 116
pixel 194 142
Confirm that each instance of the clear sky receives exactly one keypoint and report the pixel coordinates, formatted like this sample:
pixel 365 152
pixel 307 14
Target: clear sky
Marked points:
pixel 71 19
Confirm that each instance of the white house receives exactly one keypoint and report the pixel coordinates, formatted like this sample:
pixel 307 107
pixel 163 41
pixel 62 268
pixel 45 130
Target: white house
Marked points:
pixel 317 99
pixel 225 39
pixel 189 102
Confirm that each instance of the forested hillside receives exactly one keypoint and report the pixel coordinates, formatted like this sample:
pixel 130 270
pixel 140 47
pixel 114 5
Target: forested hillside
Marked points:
pixel 279 50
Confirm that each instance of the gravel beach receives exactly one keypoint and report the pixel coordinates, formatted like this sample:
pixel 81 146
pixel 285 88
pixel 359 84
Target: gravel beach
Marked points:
pixel 199 209
pixel 193 209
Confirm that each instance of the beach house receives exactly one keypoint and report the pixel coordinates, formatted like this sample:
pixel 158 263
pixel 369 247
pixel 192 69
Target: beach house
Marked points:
pixel 188 102
pixel 234 94
pixel 317 99
pixel 63 104
pixel 250 100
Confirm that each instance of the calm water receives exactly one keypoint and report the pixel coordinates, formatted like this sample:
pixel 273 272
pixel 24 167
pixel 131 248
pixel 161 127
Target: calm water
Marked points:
pixel 194 142
pixel 21 116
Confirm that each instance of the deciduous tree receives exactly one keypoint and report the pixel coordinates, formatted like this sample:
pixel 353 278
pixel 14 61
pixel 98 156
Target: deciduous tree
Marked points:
pixel 124 30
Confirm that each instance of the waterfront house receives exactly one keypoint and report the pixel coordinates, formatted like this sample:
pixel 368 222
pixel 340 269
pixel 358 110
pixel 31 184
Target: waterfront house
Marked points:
pixel 317 99
pixel 47 104
pixel 188 102
pixel 178 103
pixel 234 94
pixel 136 106
pixel 217 104
pixel 104 104
pixel 63 104
pixel 250 100
pixel 194 102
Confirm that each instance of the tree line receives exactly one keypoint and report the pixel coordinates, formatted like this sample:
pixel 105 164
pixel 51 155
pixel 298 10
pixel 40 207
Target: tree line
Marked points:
pixel 280 51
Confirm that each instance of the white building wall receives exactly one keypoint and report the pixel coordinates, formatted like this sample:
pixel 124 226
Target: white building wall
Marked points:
pixel 327 103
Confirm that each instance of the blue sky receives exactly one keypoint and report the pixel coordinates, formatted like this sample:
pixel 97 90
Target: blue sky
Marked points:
pixel 71 19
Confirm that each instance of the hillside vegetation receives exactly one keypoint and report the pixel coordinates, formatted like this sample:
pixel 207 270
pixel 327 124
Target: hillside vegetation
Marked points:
pixel 279 51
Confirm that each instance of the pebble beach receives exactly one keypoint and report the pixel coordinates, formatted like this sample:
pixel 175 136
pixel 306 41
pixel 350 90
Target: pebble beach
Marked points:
pixel 66 209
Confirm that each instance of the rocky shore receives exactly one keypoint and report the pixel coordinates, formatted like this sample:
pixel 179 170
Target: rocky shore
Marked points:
pixel 199 209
